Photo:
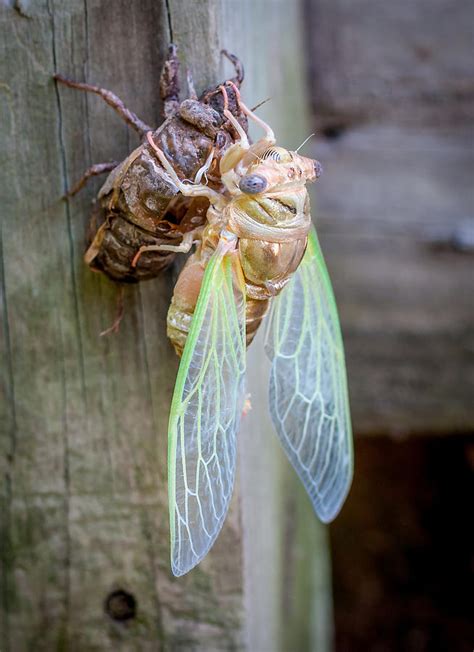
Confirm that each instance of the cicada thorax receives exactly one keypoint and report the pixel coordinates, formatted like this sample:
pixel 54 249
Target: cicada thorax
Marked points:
pixel 272 232
pixel 139 205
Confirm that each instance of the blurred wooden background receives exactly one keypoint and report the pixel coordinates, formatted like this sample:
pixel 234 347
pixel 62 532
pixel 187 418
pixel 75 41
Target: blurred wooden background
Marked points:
pixel 392 96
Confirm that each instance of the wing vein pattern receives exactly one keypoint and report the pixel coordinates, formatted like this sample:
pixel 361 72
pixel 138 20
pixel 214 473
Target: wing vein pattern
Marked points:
pixel 205 415
pixel 308 387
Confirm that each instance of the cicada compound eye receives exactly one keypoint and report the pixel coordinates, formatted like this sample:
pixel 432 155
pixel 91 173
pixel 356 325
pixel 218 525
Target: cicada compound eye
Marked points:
pixel 318 169
pixel 252 184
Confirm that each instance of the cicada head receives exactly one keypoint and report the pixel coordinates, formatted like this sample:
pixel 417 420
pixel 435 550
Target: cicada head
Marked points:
pixel 273 202
pixel 276 169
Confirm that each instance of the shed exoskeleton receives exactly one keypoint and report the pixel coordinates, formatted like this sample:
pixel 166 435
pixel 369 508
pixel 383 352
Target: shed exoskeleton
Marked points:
pixel 139 207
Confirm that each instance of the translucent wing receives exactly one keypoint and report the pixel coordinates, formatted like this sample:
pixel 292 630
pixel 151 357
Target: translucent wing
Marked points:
pixel 205 414
pixel 308 387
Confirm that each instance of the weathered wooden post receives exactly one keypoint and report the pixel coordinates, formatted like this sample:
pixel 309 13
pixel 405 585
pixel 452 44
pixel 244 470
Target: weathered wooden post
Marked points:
pixel 84 524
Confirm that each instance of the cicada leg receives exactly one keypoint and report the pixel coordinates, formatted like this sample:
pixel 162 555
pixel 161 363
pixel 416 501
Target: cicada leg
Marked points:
pixel 202 172
pixel 237 151
pixel 187 242
pixel 243 139
pixel 112 100
pixel 239 69
pixel 114 328
pixel 269 134
pixel 169 83
pixel 93 171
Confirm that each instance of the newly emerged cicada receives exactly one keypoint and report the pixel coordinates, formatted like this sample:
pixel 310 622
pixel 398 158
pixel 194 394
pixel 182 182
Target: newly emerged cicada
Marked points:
pixel 256 250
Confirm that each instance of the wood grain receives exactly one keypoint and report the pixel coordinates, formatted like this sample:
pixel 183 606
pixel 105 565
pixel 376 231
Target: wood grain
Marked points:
pixel 84 498
pixel 83 418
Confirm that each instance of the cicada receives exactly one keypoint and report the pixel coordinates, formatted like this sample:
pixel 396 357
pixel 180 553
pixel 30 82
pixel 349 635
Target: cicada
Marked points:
pixel 257 251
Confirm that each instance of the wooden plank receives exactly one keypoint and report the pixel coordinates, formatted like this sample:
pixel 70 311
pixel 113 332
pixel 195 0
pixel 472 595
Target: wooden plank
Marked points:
pixel 83 434
pixel 410 63
pixel 406 301
pixel 195 27
pixel 395 205
pixel 84 507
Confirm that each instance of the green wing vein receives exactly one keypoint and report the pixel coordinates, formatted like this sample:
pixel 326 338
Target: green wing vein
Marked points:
pixel 308 387
pixel 205 415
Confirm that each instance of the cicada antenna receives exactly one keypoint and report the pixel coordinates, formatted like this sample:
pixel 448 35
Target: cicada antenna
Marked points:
pixel 257 106
pixel 304 143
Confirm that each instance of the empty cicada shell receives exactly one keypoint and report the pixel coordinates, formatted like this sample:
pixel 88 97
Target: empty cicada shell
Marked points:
pixel 139 209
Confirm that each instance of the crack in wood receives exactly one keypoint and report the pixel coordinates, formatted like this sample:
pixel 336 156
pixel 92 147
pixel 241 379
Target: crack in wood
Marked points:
pixel 6 527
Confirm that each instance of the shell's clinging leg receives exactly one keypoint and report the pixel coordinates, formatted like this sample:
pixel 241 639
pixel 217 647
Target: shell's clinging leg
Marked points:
pixel 114 328
pixel 239 69
pixel 169 83
pixel 112 100
pixel 93 171
pixel 185 246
